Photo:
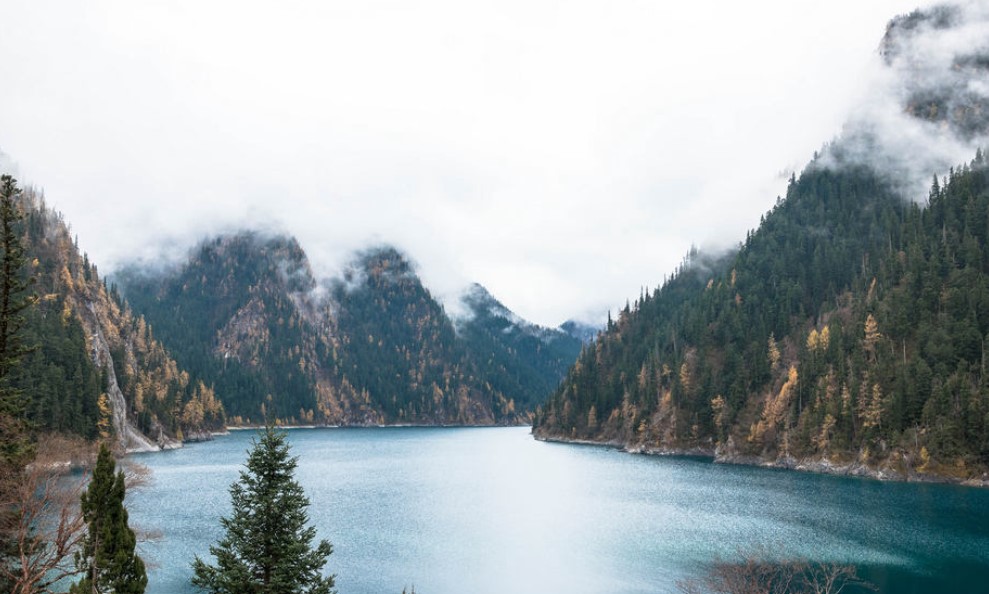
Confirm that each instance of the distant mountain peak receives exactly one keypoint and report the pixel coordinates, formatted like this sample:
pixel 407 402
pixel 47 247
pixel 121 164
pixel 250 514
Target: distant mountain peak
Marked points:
pixel 382 262
pixel 480 302
pixel 269 256
pixel 387 257
pixel 372 346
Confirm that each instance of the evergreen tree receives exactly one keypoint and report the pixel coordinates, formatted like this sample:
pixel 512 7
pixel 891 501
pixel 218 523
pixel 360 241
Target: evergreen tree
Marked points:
pixel 14 447
pixel 107 559
pixel 850 325
pixel 268 546
pixel 15 450
pixel 13 285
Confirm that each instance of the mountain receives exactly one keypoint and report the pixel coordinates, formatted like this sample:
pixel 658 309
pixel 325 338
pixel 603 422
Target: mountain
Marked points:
pixel 846 334
pixel 246 314
pixel 231 319
pixel 401 351
pixel 585 333
pixel 951 96
pixel 96 367
pixel 513 355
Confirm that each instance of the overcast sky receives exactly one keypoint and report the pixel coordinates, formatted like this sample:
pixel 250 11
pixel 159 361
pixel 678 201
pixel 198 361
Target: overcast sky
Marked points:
pixel 561 153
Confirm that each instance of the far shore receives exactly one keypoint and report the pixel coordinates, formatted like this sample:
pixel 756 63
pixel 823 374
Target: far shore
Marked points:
pixel 812 465
pixel 383 426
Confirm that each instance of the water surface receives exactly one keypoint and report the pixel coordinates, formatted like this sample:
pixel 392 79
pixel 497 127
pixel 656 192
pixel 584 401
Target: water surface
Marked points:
pixel 486 510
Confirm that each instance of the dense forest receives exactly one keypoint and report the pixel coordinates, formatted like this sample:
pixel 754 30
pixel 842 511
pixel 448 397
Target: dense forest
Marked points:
pixel 514 356
pixel 94 367
pixel 246 314
pixel 847 332
pixel 850 326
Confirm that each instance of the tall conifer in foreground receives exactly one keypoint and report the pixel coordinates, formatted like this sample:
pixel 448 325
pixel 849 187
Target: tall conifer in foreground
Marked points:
pixel 14 299
pixel 268 545
pixel 15 447
pixel 107 559
pixel 14 296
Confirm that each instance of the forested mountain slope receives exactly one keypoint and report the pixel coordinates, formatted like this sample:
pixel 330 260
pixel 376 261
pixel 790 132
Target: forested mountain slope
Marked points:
pixel 850 325
pixel 849 329
pixel 247 314
pixel 95 367
pixel 513 355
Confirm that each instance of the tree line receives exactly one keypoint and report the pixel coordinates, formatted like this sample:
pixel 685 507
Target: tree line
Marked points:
pixel 246 316
pixel 57 530
pixel 850 325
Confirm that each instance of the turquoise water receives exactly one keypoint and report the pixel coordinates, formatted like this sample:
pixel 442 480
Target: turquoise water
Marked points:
pixel 474 511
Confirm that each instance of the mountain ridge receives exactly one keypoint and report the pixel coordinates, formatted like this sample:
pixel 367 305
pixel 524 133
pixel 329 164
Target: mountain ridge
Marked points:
pixel 847 333
pixel 97 369
pixel 372 346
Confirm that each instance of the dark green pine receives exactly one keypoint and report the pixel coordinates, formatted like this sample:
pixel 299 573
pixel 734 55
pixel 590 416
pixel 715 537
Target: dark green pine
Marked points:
pixel 268 546
pixel 107 560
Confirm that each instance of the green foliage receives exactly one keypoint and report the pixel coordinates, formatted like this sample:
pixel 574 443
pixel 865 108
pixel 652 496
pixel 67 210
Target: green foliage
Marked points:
pixel 524 361
pixel 60 379
pixel 14 300
pixel 397 340
pixel 877 310
pixel 268 547
pixel 246 316
pixel 15 447
pixel 189 309
pixel 107 560
pixel 59 382
pixel 14 297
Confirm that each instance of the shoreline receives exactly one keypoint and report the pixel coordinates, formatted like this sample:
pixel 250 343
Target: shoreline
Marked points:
pixel 811 465
pixel 375 426
pixel 164 443
pixel 208 436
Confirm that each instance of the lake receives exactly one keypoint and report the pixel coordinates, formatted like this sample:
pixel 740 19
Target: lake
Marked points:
pixel 486 510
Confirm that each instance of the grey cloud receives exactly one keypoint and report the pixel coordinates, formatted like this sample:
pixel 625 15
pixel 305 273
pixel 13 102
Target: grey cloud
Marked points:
pixel 562 155
pixel 928 106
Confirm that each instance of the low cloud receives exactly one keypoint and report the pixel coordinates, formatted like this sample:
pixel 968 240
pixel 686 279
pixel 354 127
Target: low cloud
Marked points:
pixel 928 107
pixel 561 154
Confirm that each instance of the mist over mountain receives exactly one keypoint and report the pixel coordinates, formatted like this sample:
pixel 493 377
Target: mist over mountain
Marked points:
pixel 373 346
pixel 95 369
pixel 530 158
pixel 582 331
pixel 514 355
pixel 927 109
pixel 847 334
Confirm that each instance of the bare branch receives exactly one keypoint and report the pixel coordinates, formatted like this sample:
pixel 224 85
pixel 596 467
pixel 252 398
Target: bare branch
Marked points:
pixel 45 523
pixel 757 573
pixel 137 476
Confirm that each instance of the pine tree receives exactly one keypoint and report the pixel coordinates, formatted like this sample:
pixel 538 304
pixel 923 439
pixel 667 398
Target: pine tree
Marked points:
pixel 107 559
pixel 14 447
pixel 268 546
pixel 13 285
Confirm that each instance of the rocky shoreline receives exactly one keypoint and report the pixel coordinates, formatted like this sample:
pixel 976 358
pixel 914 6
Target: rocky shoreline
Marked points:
pixel 883 472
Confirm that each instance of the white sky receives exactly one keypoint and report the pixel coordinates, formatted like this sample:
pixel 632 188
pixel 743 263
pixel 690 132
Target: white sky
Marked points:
pixel 561 153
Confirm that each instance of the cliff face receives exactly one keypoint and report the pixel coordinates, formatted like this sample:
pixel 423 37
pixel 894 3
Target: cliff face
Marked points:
pixel 128 437
pixel 98 369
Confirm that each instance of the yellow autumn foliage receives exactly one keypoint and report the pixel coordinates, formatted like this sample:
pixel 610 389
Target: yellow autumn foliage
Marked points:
pixel 776 407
